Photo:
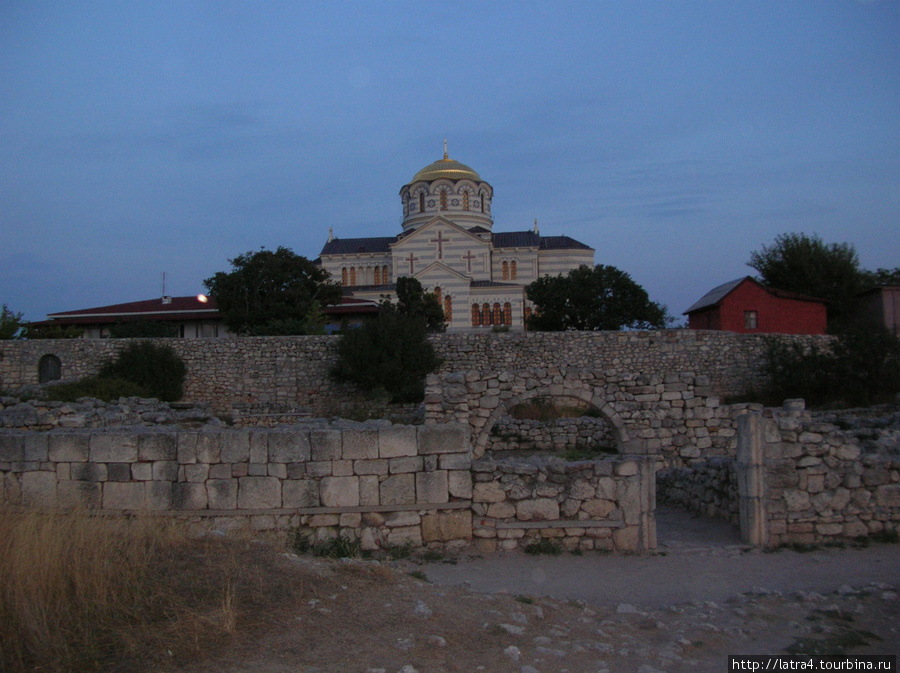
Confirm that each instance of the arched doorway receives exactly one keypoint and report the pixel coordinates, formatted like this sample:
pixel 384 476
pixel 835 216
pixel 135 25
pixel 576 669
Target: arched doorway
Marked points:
pixel 49 369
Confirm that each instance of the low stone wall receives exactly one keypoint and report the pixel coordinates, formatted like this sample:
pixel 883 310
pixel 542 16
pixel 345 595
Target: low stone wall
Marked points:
pixel 561 434
pixel 604 504
pixel 707 487
pixel 380 483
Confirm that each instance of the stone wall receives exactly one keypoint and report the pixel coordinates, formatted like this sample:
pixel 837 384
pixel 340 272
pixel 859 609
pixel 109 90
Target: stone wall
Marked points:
pixel 604 504
pixel 561 434
pixel 381 483
pixel 292 372
pixel 707 487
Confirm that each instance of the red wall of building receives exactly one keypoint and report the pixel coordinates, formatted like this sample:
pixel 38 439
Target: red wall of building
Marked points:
pixel 774 314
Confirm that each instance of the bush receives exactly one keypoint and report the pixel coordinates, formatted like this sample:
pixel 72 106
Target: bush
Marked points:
pixel 105 389
pixel 390 353
pixel 155 368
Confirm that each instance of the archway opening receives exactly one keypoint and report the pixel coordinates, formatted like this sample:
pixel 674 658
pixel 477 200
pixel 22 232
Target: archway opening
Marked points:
pixel 49 369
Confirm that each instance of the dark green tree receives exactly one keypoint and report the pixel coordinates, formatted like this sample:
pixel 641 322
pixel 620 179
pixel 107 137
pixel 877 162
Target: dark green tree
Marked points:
pixel 414 301
pixel 156 369
pixel 11 324
pixel 272 293
pixel 884 276
pixel 807 265
pixel 602 298
pixel 33 331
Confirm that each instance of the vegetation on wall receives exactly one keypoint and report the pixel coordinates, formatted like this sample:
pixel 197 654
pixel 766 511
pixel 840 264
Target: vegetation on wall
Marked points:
pixel 602 298
pixel 861 367
pixel 10 324
pixel 155 368
pixel 391 352
pixel 273 293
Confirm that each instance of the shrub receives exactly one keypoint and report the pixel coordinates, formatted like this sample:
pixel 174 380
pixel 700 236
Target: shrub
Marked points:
pixel 106 389
pixel 155 368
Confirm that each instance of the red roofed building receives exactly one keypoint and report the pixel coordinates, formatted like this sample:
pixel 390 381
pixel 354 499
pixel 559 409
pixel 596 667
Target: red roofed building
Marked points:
pixel 745 305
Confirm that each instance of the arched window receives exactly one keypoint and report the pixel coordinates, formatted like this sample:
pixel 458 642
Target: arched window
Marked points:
pixel 421 202
pixel 344 276
pixel 482 201
pixel 527 315
pixel 505 270
pixel 498 314
pixel 476 316
pixel 353 275
pixel 377 275
pixel 465 200
pixel 443 199
pixel 513 270
pixel 507 313
pixel 486 315
pixel 49 369
pixel 437 293
pixel 448 309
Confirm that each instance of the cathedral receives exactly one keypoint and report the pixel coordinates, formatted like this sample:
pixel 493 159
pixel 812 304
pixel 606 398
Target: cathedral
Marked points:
pixel 449 245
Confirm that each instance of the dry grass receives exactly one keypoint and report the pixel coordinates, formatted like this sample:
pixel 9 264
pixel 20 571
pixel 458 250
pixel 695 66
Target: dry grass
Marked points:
pixel 83 592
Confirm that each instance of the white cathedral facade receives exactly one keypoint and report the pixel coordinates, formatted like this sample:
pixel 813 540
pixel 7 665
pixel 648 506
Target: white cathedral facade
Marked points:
pixel 449 245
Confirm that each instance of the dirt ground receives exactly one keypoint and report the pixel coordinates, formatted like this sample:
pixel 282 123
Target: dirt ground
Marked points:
pixel 701 597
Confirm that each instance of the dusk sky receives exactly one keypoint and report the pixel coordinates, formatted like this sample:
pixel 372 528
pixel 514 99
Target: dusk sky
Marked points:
pixel 675 138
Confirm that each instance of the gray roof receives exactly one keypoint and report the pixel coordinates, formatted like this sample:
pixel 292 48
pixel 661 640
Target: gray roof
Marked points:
pixel 503 239
pixel 351 246
pixel 715 295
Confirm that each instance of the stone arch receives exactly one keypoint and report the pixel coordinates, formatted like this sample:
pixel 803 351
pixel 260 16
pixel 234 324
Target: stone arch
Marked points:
pixel 49 368
pixel 587 394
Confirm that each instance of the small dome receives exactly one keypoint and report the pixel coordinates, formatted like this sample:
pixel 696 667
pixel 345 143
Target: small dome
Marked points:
pixel 446 168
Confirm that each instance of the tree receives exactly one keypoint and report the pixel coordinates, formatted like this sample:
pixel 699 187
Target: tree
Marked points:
pixel 884 276
pixel 602 298
pixel 272 293
pixel 413 300
pixel 807 265
pixel 11 324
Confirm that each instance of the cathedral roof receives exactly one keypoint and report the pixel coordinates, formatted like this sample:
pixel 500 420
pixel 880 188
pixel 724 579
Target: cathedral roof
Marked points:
pixel 562 243
pixel 351 246
pixel 446 168
pixel 503 239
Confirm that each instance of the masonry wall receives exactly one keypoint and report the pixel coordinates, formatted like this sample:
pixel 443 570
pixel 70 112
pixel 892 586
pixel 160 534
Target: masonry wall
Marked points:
pixel 292 372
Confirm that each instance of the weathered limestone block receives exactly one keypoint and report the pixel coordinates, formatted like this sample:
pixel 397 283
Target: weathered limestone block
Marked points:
pixel 35 447
pixel 124 495
pixel 627 468
pixel 539 509
pixel 259 446
pixel 12 448
pixel 580 489
pixel 397 519
pixel 360 444
pixel 888 495
pixel 222 493
pixel 406 464
pixel 79 493
pixel 325 445
pixel 627 539
pixel 368 490
pixel 411 535
pixel 606 488
pixel 501 510
pixel 157 446
pixel 397 442
pixel 442 527
pixel 796 500
pixel 443 438
pixel 361 467
pixel 399 489
pixel 113 447
pixel 38 488
pixel 456 461
pixel 187 448
pixel 340 491
pixel 277 470
pixel 118 471
pixel 189 496
pixel 259 493
pixel 489 491
pixel 432 487
pixel 68 448
pixel 235 446
pixel 165 470
pixel 142 471
pixel 88 472
pixel 288 446
pixel 598 509
pixel 158 495
pixel 459 482
pixel 209 447
pixel 300 493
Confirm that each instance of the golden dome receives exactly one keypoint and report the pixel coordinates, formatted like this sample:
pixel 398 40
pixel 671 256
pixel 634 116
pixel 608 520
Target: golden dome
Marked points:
pixel 446 168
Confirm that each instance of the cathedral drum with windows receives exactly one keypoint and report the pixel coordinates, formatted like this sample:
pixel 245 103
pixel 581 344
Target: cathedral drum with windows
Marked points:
pixel 449 245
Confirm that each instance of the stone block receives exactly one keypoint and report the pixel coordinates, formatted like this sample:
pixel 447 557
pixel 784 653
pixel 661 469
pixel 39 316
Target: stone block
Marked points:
pixel 12 448
pixel 408 535
pixel 607 489
pixel 186 447
pixel 118 471
pixel 113 447
pixel 796 500
pixel 79 493
pixel 288 446
pixel 627 539
pixel 360 445
pixel 165 470
pixel 124 495
pixel 489 491
pixel 222 493
pixel 443 438
pixel 189 496
pixel 325 445
pixel 460 484
pixel 443 527
pixel 501 510
pixel 209 447
pixel 38 488
pixel 219 471
pixel 68 448
pixel 397 442
pixel 361 467
pixel 368 490
pixel 340 491
pixel 319 469
pixel 157 446
pixel 399 489
pixel 626 468
pixel 235 446
pixel 456 461
pixel 142 471
pixel 405 464
pixel 538 509
pixel 397 519
pixel 298 493
pixel 342 468
pixel 36 447
pixel 432 487
pixel 888 495
pixel 598 509
pixel 277 470
pixel 88 472
pixel 259 493
pixel 259 446
pixel 159 495
pixel 257 469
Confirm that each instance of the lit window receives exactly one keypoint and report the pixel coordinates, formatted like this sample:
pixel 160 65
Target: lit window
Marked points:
pixel 448 309
pixel 507 313
pixel 443 199
pixel 465 200
pixel 505 270
pixel 476 316
pixel 513 271
pixel 437 293
pixel 378 275
pixel 498 315
pixel 486 315
pixel 750 320
pixel 344 276
pixel 353 275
